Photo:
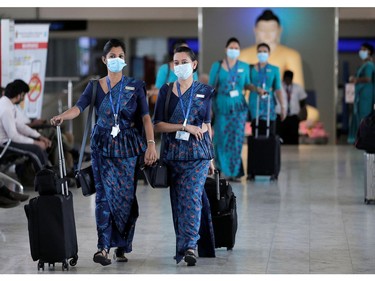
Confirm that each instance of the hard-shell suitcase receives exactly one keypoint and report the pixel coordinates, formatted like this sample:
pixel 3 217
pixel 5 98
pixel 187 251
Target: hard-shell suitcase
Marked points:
pixel 369 177
pixel 223 210
pixel 264 155
pixel 51 223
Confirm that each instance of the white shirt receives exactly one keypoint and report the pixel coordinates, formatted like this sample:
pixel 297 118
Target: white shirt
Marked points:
pixel 297 94
pixel 11 127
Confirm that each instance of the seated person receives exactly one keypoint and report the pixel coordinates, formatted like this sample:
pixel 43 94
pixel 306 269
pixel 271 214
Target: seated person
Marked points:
pixel 49 131
pixel 24 139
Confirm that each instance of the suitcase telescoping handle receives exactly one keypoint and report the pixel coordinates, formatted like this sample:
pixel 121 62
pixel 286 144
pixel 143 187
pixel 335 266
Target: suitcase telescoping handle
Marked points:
pixel 268 115
pixel 217 180
pixel 62 167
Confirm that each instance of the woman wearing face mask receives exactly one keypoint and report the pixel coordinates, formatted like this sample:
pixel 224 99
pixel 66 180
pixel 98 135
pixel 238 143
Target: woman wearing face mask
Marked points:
pixel 230 77
pixel 188 154
pixel 265 80
pixel 116 144
pixel 364 97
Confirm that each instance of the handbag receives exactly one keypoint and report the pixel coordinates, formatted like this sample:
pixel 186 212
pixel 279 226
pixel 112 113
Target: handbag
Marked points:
pixel 85 176
pixel 156 174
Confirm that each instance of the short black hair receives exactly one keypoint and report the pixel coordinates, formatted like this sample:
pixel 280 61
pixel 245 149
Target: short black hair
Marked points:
pixel 264 45
pixel 288 74
pixel 190 53
pixel 369 47
pixel 113 43
pixel 23 85
pixel 232 39
pixel 268 15
pixel 13 89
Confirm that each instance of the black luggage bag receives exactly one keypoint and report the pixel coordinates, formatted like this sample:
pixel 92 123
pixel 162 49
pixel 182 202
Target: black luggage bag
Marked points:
pixel 51 223
pixel 223 210
pixel 264 155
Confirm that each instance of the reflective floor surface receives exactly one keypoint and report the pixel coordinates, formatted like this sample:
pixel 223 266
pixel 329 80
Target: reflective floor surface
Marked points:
pixel 312 220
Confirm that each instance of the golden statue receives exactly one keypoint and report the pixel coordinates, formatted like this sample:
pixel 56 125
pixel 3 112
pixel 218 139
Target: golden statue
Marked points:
pixel 268 30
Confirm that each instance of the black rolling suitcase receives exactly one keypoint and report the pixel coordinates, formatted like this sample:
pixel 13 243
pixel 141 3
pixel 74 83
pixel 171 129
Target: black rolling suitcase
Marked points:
pixel 264 155
pixel 223 210
pixel 51 224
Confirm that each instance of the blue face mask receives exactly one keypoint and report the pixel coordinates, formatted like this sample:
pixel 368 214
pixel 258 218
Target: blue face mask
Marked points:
pixel 363 54
pixel 233 53
pixel 115 64
pixel 263 57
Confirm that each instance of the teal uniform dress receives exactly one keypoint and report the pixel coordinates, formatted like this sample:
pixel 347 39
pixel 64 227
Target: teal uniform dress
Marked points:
pixel 364 98
pixel 269 78
pixel 230 111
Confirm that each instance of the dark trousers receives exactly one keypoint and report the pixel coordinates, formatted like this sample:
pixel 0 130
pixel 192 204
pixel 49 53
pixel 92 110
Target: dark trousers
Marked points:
pixel 262 127
pixel 37 156
pixel 288 129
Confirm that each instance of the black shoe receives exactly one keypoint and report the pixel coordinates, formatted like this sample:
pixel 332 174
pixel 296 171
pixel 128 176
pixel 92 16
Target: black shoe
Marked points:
pixel 8 203
pixel 102 258
pixel 15 196
pixel 119 255
pixel 190 258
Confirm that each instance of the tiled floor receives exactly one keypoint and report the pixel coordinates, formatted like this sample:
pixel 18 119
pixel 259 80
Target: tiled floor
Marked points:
pixel 312 220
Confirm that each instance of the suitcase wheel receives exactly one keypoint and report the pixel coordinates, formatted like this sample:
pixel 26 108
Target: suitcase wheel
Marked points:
pixel 51 263
pixel 229 248
pixel 73 261
pixel 273 178
pixel 40 265
pixel 65 265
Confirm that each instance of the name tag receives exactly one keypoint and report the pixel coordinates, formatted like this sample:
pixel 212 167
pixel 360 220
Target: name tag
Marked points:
pixel 234 93
pixel 200 96
pixel 129 88
pixel 181 135
pixel 240 70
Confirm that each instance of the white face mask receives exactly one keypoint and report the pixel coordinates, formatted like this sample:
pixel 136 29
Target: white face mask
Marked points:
pixel 363 54
pixel 183 71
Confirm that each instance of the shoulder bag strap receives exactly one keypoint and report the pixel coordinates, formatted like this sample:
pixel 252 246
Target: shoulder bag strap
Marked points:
pixel 166 106
pixel 168 71
pixel 87 126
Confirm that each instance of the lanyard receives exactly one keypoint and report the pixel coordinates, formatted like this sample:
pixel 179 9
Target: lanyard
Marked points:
pixel 263 76
pixel 232 72
pixel 115 113
pixel 186 114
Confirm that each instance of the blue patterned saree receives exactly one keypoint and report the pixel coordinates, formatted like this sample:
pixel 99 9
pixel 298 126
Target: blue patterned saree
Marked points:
pixel 114 161
pixel 188 163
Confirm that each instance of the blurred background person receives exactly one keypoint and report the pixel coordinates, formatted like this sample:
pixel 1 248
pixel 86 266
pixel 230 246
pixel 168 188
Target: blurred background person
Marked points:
pixel 265 80
pixel 364 97
pixel 295 106
pixel 230 77
pixel 268 30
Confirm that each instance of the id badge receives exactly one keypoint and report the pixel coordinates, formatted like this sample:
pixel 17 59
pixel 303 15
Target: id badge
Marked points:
pixel 115 130
pixel 234 93
pixel 181 135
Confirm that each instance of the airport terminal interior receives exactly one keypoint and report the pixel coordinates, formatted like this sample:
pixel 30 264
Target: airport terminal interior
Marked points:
pixel 312 220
